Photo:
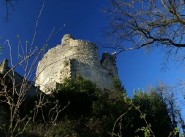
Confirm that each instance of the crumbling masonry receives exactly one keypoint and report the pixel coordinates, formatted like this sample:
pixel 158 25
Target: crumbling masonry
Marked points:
pixel 74 58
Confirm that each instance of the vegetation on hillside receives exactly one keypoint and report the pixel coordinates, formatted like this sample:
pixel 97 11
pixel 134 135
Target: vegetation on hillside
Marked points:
pixel 84 110
pixel 77 108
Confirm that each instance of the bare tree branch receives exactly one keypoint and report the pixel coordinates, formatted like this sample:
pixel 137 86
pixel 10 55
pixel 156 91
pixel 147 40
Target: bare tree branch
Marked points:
pixel 143 23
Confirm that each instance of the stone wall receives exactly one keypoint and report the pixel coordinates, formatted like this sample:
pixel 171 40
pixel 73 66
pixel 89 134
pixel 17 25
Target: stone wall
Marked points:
pixel 20 83
pixel 72 58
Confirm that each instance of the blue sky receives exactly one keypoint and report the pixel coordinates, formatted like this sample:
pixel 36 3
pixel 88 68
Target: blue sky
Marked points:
pixel 85 20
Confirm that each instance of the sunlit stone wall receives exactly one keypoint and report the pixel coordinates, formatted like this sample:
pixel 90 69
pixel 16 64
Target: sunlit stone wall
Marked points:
pixel 74 58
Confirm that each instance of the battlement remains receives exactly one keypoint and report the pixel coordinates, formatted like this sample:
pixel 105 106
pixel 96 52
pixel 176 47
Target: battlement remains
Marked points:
pixel 74 58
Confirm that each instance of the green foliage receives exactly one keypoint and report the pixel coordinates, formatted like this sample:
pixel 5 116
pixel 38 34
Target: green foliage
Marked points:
pixel 154 109
pixel 78 85
pixel 64 129
pixel 145 130
pixel 87 101
pixel 93 113
pixel 80 93
pixel 118 85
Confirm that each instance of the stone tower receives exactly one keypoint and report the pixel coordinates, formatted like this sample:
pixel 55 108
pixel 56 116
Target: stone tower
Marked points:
pixel 74 58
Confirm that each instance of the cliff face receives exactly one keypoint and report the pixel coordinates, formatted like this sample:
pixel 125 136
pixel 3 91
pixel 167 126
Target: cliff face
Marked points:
pixel 74 58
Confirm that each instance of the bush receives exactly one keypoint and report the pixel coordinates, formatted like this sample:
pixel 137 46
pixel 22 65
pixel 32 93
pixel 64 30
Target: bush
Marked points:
pixel 95 110
pixel 80 93
pixel 93 113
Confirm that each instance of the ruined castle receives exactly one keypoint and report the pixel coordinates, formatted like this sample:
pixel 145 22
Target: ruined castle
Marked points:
pixel 74 58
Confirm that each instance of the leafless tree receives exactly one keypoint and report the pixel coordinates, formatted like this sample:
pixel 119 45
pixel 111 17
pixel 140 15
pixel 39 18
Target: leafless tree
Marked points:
pixel 147 23
pixel 9 5
pixel 15 89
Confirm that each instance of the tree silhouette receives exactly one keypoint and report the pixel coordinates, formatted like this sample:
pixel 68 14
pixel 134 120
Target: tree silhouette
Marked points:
pixel 147 23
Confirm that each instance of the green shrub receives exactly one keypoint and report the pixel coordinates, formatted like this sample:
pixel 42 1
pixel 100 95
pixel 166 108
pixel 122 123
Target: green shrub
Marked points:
pixel 80 93
pixel 94 113
pixel 65 128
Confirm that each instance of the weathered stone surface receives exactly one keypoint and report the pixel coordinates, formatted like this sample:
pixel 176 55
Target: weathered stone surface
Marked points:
pixel 74 58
